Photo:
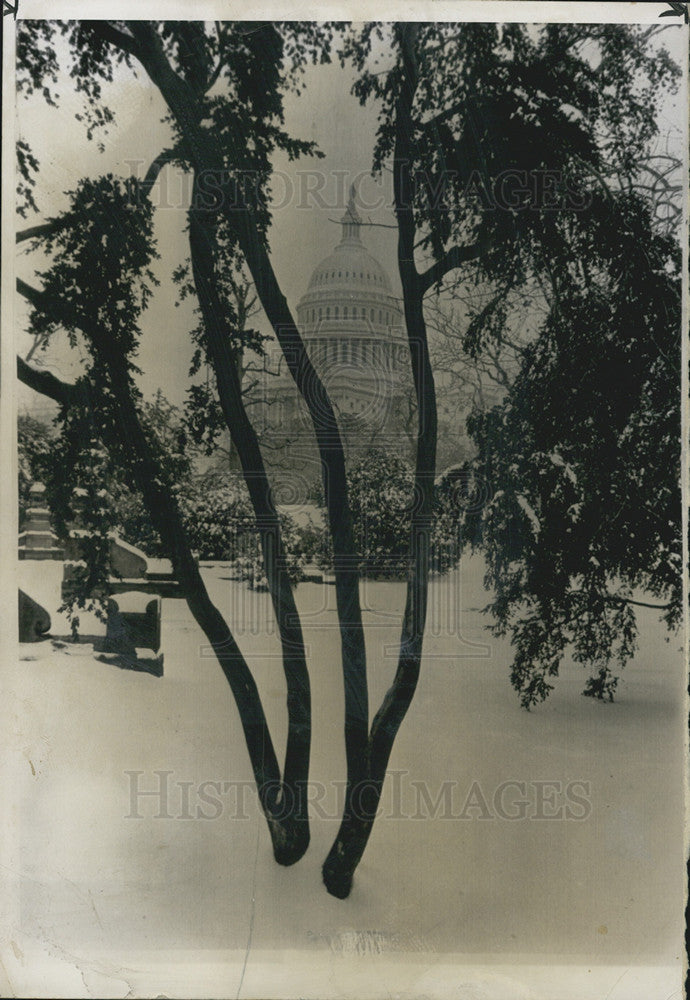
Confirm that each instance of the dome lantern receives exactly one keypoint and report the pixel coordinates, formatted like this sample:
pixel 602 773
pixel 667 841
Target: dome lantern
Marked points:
pixel 351 222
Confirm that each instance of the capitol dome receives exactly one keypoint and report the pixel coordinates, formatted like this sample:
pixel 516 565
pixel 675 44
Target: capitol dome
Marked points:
pixel 349 284
pixel 350 266
pixel 352 325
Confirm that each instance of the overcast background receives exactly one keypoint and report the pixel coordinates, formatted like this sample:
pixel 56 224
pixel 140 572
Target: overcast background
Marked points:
pixel 302 232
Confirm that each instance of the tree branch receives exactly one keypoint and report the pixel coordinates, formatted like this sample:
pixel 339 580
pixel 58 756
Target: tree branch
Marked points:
pixel 44 229
pixel 373 225
pixel 33 295
pixel 151 54
pixel 118 39
pixel 47 384
pixel 221 35
pixel 162 160
pixel 65 393
pixel 53 226
pixel 431 123
pixel 639 604
pixel 455 257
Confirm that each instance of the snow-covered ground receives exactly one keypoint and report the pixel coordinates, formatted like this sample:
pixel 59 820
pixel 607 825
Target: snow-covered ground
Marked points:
pixel 470 903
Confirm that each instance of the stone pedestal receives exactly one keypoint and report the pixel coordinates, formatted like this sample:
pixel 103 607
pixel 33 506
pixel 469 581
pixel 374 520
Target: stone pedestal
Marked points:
pixel 134 622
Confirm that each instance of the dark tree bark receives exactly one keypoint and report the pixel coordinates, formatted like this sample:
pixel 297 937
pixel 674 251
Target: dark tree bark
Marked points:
pixel 244 438
pixel 203 152
pixel 64 393
pixel 367 751
pixel 345 556
pixel 356 826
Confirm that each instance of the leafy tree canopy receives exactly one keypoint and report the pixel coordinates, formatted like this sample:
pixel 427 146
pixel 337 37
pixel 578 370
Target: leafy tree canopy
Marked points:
pixel 527 151
pixel 584 458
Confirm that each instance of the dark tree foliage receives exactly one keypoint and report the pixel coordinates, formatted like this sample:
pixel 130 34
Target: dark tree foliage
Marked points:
pixel 584 457
pixel 105 406
pixel 96 289
pixel 522 149
pixel 508 126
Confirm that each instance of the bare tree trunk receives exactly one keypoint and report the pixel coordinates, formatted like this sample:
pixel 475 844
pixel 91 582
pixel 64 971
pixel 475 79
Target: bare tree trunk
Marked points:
pixel 329 442
pixel 356 826
pixel 289 832
pixel 245 441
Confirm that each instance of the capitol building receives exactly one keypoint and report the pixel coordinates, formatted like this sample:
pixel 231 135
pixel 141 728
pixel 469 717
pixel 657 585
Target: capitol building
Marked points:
pixel 353 329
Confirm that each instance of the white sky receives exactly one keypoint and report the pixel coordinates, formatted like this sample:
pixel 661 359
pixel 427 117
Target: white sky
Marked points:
pixel 301 234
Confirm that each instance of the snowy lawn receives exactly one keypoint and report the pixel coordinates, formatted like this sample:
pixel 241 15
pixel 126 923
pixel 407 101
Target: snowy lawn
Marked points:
pixel 589 873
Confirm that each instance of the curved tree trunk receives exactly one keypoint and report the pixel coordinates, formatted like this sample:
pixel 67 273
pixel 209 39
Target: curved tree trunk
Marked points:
pixel 296 767
pixel 329 442
pixel 367 753
pixel 365 794
pixel 204 153
pixel 201 147
pixel 289 833
pixel 357 824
